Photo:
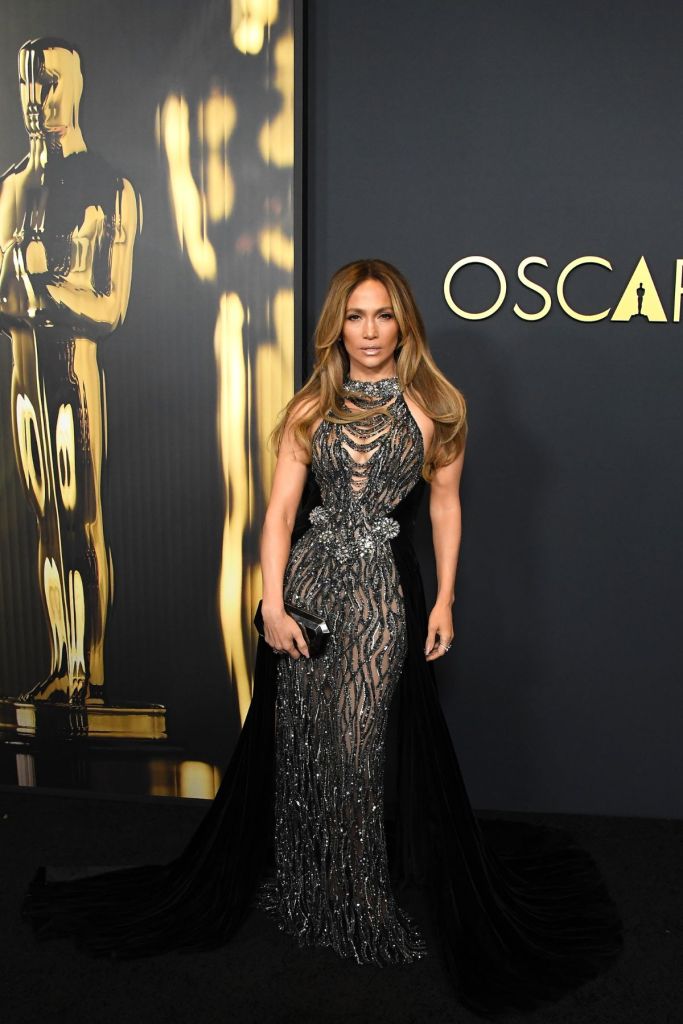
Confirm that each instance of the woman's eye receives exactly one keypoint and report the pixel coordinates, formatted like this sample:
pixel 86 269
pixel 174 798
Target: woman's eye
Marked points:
pixel 353 316
pixel 387 316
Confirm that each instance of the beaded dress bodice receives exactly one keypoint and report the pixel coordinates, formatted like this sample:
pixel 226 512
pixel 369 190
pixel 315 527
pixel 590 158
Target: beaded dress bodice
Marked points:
pixel 332 885
pixel 365 468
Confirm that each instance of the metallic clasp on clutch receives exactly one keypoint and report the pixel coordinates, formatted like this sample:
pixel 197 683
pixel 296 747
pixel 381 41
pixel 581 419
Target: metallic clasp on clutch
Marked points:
pixel 315 629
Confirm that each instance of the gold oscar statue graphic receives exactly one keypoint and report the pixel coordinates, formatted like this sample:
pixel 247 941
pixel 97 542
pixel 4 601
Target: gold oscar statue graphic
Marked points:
pixel 68 225
pixel 221 231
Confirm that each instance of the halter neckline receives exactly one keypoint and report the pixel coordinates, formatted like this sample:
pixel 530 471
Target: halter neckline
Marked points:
pixel 382 389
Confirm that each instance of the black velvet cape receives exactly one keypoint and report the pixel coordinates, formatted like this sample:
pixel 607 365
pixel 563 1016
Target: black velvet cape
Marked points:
pixel 522 913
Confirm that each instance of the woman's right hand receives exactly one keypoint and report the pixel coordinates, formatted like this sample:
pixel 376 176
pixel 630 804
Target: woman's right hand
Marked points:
pixel 283 634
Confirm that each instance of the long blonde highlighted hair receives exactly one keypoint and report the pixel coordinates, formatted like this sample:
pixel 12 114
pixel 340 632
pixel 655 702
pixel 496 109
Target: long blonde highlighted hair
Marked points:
pixel 322 394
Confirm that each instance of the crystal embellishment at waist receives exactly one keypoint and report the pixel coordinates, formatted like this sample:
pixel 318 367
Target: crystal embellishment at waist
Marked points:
pixel 347 540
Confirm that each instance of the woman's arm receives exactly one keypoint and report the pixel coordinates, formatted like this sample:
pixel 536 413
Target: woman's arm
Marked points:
pixel 444 512
pixel 281 631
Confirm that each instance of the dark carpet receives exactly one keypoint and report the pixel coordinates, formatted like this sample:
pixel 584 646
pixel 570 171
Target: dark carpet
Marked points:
pixel 263 977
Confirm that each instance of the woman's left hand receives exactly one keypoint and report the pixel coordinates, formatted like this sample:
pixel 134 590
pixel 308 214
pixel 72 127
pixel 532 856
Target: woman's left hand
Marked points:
pixel 439 632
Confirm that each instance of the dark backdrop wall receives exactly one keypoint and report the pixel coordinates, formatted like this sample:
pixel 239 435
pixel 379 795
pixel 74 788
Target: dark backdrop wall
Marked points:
pixel 445 129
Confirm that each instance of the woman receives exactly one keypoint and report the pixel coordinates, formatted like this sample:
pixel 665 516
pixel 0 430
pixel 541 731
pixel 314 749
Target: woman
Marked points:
pixel 373 446
pixel 522 913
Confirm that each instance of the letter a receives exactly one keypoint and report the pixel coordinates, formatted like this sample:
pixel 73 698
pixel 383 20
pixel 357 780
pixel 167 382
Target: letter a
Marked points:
pixel 639 298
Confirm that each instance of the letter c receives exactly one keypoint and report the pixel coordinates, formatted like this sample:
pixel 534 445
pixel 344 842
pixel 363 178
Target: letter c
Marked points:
pixel 586 317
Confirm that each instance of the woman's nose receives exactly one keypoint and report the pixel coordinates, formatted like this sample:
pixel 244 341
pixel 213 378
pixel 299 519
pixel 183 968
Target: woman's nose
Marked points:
pixel 370 329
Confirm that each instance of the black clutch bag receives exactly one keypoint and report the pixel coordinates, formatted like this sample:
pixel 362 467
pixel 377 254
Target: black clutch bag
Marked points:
pixel 314 628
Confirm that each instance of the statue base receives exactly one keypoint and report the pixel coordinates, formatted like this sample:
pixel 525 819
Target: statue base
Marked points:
pixel 48 720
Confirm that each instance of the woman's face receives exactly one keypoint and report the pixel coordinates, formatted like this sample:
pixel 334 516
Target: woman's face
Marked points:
pixel 370 333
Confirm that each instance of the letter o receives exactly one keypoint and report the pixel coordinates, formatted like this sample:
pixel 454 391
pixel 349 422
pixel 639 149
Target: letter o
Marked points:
pixel 502 287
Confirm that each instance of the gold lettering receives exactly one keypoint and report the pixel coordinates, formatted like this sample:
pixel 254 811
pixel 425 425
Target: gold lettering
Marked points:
pixel 502 287
pixel 639 298
pixel 528 283
pixel 678 291
pixel 562 279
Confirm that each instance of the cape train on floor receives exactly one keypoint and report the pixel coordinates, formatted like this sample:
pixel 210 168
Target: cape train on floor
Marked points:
pixel 523 913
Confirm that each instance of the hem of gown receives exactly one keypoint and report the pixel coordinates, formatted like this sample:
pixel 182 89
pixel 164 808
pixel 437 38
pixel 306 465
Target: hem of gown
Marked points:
pixel 411 948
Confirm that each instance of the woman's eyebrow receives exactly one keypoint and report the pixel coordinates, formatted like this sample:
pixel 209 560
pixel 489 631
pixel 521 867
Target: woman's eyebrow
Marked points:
pixel 357 309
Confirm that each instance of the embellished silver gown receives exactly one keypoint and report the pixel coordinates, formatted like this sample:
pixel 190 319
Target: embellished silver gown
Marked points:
pixel 332 883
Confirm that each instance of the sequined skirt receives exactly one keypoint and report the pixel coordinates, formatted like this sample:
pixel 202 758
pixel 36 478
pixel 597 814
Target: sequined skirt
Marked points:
pixel 331 886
